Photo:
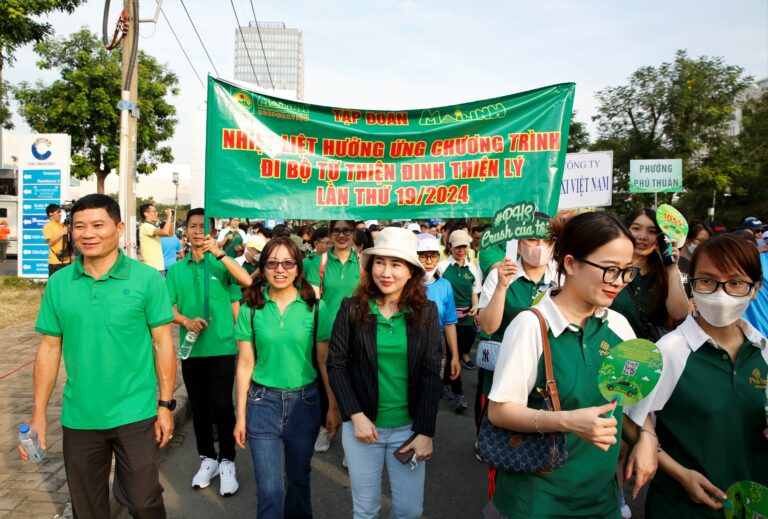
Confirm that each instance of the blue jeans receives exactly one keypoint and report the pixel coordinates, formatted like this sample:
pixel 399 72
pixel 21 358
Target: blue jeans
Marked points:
pixel 286 421
pixel 366 463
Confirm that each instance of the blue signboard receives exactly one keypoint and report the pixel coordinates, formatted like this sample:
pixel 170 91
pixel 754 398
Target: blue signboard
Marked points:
pixel 40 188
pixel 41 176
pixel 35 191
pixel 37 269
pixel 37 206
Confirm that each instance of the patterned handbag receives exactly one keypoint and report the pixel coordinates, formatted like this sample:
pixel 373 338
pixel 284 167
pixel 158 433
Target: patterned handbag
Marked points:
pixel 528 453
pixel 487 354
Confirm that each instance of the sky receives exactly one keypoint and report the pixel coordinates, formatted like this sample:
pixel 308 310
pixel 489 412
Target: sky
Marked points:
pixel 404 54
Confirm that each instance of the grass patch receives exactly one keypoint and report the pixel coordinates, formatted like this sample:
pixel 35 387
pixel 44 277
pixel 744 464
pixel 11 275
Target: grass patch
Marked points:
pixel 19 300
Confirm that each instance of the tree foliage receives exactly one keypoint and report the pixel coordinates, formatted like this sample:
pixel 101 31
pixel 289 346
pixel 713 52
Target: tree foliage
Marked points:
pixel 83 104
pixel 578 137
pixel 17 28
pixel 680 109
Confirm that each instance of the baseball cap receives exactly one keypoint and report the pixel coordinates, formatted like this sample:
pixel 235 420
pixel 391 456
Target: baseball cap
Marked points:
pixel 426 242
pixel 459 238
pixel 256 242
pixel 750 222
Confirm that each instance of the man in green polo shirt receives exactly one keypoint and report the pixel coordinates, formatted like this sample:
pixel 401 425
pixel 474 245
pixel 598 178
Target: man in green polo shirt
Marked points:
pixel 109 316
pixel 209 372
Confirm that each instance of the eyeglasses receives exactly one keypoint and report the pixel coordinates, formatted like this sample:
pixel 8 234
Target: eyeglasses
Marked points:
pixel 285 264
pixel 429 256
pixel 346 231
pixel 612 273
pixel 734 288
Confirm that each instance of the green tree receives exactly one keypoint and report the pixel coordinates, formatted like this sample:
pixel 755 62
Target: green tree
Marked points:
pixel 681 110
pixel 83 104
pixel 578 137
pixel 750 189
pixel 17 28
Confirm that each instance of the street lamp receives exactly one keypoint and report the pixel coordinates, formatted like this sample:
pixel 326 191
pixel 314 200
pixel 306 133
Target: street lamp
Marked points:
pixel 176 200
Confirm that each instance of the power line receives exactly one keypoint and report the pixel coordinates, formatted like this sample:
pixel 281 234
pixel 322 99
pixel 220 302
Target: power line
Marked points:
pixel 261 42
pixel 200 39
pixel 239 28
pixel 182 48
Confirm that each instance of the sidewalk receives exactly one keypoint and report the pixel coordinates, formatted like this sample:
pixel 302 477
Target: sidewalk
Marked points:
pixel 30 490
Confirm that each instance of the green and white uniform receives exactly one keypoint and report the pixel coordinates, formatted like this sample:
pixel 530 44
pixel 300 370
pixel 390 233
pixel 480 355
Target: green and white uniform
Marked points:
pixel 586 485
pixel 709 415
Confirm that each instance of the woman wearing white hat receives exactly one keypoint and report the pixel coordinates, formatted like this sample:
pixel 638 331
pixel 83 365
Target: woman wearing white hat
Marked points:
pixel 383 367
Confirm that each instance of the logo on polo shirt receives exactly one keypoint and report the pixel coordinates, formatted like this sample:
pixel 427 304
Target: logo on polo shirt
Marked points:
pixel 756 380
pixel 605 349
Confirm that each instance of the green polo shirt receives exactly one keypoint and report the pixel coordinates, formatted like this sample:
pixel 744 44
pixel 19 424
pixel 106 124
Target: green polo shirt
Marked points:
pixel 186 289
pixel 586 485
pixel 392 358
pixel 340 280
pixel 643 289
pixel 236 240
pixel 462 280
pixel 105 326
pixel 490 256
pixel 710 415
pixel 249 267
pixel 283 341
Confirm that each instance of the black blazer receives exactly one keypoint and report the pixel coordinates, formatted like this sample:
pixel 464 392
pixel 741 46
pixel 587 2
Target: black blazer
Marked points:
pixel 353 370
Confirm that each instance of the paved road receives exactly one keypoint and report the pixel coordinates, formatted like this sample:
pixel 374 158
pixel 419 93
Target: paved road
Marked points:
pixel 8 268
pixel 455 487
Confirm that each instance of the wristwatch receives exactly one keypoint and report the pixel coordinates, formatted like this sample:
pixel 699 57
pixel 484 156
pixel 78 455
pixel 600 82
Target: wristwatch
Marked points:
pixel 168 404
pixel 221 256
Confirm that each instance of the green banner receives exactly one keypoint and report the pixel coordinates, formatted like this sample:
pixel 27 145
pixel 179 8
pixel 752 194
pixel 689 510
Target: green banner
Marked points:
pixel 271 158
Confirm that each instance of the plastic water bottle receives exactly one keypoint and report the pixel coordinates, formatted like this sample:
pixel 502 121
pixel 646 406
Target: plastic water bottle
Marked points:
pixel 28 439
pixel 186 347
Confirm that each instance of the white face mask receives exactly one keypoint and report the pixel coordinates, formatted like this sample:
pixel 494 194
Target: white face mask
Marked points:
pixel 536 256
pixel 720 309
pixel 691 248
pixel 429 276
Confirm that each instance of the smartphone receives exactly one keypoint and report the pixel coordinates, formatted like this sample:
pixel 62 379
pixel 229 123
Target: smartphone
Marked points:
pixel 405 457
pixel 664 244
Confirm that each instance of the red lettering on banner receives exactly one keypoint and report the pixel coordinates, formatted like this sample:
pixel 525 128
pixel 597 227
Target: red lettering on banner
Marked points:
pixel 480 169
pixel 422 171
pixel 386 118
pixel 347 117
pixel 270 168
pixel 332 196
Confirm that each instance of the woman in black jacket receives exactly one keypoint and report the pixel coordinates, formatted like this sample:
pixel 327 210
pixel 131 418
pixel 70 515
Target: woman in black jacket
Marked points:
pixel 383 366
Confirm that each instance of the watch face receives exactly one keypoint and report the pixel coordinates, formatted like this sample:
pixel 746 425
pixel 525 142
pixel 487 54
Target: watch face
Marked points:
pixel 170 404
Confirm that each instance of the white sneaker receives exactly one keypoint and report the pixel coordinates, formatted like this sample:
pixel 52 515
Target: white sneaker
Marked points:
pixel 209 469
pixel 323 442
pixel 227 478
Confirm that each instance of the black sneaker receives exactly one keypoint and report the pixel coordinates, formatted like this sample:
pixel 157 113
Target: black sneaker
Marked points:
pixel 468 364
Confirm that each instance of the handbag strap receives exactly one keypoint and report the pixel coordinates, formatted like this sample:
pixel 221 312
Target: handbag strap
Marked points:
pixel 552 391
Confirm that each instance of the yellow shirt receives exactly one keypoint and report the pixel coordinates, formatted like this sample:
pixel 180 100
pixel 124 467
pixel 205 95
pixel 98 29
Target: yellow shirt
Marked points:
pixel 50 230
pixel 149 244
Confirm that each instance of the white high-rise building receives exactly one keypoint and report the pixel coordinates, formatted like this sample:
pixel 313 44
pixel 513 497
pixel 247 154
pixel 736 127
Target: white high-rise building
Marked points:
pixel 283 49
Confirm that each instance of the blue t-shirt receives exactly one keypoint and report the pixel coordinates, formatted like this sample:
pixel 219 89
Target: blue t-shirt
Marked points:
pixel 171 245
pixel 757 313
pixel 441 293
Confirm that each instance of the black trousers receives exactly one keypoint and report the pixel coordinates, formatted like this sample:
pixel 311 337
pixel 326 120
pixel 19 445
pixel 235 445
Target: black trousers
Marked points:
pixel 209 382
pixel 465 337
pixel 88 459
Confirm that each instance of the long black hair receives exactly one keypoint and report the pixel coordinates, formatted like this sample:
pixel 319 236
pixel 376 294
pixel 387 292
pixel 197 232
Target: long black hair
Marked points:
pixel 656 271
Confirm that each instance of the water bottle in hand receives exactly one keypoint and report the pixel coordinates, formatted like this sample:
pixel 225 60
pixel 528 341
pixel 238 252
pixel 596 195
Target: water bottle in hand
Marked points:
pixel 28 439
pixel 186 347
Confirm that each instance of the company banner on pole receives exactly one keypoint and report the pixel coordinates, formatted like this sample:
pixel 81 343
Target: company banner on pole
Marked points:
pixel 587 180
pixel 269 158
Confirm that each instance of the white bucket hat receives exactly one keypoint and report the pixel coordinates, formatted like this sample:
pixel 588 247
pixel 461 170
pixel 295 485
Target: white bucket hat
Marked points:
pixel 394 242
pixel 256 242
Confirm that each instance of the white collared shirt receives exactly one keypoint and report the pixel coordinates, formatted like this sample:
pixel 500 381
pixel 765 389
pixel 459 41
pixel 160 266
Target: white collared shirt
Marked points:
pixel 522 347
pixel 489 285
pixel 477 284
pixel 676 347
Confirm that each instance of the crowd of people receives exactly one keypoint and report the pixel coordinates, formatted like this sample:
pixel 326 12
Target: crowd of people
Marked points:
pixel 357 330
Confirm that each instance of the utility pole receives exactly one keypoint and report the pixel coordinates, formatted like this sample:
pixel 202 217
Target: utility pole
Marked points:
pixel 129 114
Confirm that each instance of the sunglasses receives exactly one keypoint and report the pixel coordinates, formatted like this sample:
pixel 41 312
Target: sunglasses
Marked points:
pixel 346 231
pixel 285 264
